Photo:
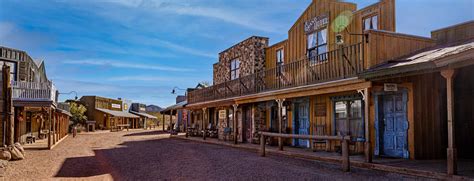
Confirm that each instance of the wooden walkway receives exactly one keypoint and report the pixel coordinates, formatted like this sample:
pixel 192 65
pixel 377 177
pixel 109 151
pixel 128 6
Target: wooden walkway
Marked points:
pixel 424 168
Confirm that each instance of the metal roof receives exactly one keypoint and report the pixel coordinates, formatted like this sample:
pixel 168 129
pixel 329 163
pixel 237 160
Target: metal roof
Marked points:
pixel 143 115
pixel 117 113
pixel 179 105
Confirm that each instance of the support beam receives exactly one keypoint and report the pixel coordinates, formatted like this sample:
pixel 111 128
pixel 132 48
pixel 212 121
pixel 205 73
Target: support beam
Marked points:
pixel 234 116
pixel 449 75
pixel 163 121
pixel 49 128
pixel 280 122
pixel 171 122
pixel 8 121
pixel 204 116
pixel 367 145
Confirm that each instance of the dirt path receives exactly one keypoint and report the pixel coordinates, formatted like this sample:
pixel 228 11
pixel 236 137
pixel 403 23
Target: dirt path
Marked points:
pixel 149 155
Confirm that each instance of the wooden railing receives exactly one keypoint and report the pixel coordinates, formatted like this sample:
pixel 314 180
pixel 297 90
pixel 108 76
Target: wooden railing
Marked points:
pixel 333 65
pixel 33 91
pixel 343 139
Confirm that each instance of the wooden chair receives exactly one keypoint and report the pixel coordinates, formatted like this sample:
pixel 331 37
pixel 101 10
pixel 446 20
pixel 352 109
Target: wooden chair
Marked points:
pixel 320 130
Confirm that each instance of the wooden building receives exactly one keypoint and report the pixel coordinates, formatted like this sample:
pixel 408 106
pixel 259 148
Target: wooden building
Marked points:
pixel 346 71
pixel 107 113
pixel 32 101
pixel 140 110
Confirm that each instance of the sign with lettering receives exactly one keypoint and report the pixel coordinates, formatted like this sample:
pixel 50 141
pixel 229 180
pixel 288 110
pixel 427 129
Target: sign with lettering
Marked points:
pixel 116 106
pixel 142 109
pixel 222 114
pixel 316 23
pixel 390 87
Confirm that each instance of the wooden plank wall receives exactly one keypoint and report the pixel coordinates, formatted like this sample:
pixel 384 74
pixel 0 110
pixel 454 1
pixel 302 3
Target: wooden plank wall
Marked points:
pixel 454 33
pixel 464 112
pixel 387 46
pixel 270 54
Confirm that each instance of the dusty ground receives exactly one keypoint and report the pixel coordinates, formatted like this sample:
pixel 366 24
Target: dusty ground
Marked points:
pixel 150 155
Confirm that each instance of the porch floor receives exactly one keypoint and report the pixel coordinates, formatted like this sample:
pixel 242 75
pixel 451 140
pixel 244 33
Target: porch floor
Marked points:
pixel 426 168
pixel 41 144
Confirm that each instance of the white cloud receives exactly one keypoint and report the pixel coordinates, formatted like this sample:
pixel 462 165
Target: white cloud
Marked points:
pixel 111 63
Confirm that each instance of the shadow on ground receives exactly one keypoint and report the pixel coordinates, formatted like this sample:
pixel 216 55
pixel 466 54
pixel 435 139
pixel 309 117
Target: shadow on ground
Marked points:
pixel 157 132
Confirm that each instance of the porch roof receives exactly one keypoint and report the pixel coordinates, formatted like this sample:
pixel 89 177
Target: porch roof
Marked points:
pixel 426 60
pixel 179 105
pixel 117 113
pixel 65 112
pixel 143 115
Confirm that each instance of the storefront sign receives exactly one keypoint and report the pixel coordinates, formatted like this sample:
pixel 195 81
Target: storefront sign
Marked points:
pixel 390 87
pixel 316 23
pixel 142 109
pixel 117 106
pixel 222 114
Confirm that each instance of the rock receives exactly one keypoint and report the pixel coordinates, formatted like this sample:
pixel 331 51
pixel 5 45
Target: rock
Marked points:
pixel 16 154
pixel 3 164
pixel 20 148
pixel 5 155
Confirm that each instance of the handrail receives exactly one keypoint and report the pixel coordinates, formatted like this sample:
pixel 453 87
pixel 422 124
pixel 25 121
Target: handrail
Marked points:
pixel 333 65
pixel 343 139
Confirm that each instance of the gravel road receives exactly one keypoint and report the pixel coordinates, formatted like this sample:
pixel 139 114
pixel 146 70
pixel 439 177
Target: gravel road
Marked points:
pixel 151 155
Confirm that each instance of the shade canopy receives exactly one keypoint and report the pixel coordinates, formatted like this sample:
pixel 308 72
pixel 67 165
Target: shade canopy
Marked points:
pixel 117 113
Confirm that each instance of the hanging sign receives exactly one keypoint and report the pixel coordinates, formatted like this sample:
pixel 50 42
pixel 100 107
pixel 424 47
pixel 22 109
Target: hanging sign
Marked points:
pixel 316 23
pixel 390 87
pixel 117 106
pixel 222 114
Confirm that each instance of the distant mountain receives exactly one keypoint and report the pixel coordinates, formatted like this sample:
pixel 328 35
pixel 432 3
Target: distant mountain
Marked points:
pixel 153 108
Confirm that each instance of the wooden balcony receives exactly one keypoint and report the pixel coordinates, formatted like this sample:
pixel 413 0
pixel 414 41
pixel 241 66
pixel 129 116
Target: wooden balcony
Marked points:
pixel 33 91
pixel 333 65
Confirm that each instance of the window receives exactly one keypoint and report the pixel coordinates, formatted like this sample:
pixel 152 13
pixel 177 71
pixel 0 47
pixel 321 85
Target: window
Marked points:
pixel 349 118
pixel 13 71
pixel 370 23
pixel 234 69
pixel 279 61
pixel 317 45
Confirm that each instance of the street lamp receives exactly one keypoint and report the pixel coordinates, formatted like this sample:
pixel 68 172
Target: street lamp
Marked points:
pixel 176 88
pixel 75 98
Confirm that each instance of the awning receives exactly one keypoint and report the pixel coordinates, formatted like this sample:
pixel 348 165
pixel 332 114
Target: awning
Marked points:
pixel 177 106
pixel 143 115
pixel 117 113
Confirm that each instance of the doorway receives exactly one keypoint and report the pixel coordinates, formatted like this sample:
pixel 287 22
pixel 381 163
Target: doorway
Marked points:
pixel 301 123
pixel 392 124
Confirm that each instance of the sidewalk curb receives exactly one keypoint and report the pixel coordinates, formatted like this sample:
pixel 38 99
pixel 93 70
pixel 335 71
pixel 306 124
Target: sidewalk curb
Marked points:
pixel 359 164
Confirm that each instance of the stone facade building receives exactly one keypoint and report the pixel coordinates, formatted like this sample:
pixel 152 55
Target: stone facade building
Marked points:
pixel 250 53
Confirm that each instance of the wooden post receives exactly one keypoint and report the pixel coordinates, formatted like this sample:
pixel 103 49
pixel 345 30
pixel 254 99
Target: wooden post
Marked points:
pixel 54 127
pixel 262 145
pixel 280 124
pixel 449 75
pixel 345 156
pixel 234 115
pixel 171 122
pixel 367 145
pixel 163 121
pixel 49 128
pixel 204 116
pixel 8 124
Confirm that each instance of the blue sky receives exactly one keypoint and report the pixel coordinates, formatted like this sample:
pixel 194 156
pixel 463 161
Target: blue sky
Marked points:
pixel 140 50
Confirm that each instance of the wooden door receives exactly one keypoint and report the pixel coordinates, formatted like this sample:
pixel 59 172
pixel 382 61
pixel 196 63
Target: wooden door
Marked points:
pixel 301 123
pixel 247 111
pixel 394 125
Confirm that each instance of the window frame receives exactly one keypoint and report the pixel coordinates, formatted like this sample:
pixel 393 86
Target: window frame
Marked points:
pixel 371 17
pixel 349 119
pixel 317 58
pixel 280 58
pixel 234 69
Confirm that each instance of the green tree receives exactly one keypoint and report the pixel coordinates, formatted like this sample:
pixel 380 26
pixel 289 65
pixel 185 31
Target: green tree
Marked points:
pixel 78 111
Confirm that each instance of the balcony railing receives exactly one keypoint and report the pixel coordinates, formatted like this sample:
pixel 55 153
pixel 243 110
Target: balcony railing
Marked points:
pixel 333 65
pixel 33 91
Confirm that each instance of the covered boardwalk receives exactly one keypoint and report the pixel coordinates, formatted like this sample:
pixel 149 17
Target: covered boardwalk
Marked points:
pixel 118 119
pixel 175 110
pixel 144 117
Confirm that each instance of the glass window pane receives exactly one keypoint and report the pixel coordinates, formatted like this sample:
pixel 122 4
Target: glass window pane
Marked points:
pixel 237 63
pixel 232 65
pixel 322 36
pixel 374 22
pixel 341 109
pixel 322 49
pixel 366 23
pixel 356 109
pixel 311 40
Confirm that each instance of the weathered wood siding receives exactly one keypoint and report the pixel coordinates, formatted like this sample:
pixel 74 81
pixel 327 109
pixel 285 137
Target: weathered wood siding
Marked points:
pixel 386 46
pixel 271 54
pixel 464 112
pixel 454 33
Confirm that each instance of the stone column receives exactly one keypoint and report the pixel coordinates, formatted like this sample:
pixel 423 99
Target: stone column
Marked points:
pixel 449 75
